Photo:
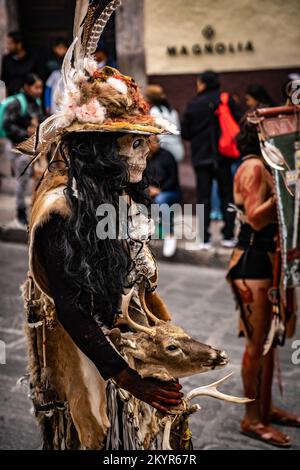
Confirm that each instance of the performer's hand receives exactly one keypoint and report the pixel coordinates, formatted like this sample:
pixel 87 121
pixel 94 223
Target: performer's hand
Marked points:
pixel 156 393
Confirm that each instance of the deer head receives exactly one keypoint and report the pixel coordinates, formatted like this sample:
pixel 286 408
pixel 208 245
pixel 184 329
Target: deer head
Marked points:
pixel 164 351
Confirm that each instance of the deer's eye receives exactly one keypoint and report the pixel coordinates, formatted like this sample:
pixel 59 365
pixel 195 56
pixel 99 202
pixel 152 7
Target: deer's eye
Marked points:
pixel 172 347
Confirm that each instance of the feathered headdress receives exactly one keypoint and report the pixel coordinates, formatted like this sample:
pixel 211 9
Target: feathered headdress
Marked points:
pixel 94 99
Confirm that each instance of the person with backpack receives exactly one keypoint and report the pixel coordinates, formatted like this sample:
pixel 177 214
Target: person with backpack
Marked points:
pixel 210 124
pixel 19 117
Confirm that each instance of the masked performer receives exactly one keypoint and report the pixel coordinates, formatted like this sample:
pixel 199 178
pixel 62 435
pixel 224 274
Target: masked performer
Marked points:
pixel 253 270
pixel 97 148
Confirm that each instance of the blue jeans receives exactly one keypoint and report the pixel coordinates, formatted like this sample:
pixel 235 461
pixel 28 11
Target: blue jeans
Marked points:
pixel 215 198
pixel 168 198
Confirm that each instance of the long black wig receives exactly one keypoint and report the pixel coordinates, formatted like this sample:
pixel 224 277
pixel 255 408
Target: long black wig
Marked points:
pixel 101 177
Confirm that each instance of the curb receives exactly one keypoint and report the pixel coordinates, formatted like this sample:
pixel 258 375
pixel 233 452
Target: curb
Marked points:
pixel 215 258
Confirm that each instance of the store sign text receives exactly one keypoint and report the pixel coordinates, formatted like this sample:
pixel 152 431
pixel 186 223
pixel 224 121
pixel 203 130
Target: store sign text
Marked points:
pixel 210 48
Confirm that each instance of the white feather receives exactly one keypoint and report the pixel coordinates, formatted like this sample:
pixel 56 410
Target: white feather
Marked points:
pixel 66 68
pixel 80 13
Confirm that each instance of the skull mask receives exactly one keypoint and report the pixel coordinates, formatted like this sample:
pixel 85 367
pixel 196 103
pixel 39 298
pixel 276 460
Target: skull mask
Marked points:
pixel 135 149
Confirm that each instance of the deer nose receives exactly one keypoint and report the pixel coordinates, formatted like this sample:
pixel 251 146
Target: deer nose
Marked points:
pixel 220 358
pixel 223 355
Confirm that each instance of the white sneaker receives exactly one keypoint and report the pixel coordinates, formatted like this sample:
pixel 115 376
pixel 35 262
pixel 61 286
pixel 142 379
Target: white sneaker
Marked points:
pixel 202 246
pixel 169 248
pixel 228 243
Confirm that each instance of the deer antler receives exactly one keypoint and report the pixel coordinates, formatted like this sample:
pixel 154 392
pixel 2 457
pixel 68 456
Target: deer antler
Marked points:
pixel 167 423
pixel 208 390
pixel 211 390
pixel 149 314
pixel 125 315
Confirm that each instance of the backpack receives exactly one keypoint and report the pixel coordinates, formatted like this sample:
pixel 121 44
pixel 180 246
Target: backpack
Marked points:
pixel 3 105
pixel 229 129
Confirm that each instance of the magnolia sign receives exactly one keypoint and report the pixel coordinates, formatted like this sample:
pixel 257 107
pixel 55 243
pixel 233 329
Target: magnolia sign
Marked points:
pixel 210 46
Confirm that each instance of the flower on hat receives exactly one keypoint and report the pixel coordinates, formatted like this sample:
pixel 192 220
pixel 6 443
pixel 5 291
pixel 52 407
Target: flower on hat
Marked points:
pixel 91 112
pixel 118 85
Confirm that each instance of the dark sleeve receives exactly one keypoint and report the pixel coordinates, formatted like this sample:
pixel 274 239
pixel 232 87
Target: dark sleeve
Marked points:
pixel 185 125
pixel 169 181
pixel 235 109
pixel 86 334
pixel 3 70
pixel 12 122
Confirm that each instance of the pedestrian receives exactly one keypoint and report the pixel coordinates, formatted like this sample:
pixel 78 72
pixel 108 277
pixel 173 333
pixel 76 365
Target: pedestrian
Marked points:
pixel 53 83
pixel 53 86
pixel 21 117
pixel 160 107
pixel 103 56
pixel 18 63
pixel 164 189
pixel 257 96
pixel 58 52
pixel 200 125
pixel 253 271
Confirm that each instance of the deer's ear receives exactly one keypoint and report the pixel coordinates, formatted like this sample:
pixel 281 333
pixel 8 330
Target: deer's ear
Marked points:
pixel 129 343
pixel 115 336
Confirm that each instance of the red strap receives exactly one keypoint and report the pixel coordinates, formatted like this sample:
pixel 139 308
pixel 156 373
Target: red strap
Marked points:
pixel 224 97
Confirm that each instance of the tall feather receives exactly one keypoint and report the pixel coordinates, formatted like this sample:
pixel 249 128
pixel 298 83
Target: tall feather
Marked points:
pixel 88 23
pixel 80 13
pixel 66 68
pixel 99 26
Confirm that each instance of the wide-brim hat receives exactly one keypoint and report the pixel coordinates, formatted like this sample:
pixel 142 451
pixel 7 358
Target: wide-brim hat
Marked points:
pixel 97 100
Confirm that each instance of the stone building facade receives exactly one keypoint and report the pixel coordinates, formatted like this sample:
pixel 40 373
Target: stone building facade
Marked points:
pixel 246 41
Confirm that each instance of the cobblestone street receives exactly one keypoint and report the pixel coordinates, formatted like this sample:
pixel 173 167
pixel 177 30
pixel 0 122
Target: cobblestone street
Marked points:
pixel 200 301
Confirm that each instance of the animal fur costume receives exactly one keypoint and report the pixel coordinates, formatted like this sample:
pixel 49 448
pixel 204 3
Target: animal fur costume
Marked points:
pixel 68 392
